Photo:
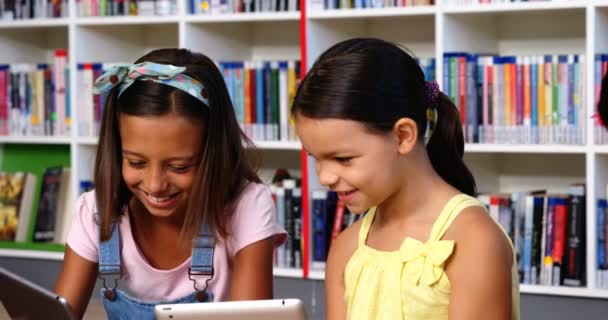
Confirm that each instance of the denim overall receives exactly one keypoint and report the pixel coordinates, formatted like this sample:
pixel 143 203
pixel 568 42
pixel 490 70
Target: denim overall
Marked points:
pixel 119 305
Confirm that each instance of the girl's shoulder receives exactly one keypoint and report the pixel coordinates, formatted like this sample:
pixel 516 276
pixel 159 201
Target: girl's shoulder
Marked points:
pixel 478 237
pixel 344 246
pixel 86 205
pixel 84 233
pixel 253 218
pixel 252 194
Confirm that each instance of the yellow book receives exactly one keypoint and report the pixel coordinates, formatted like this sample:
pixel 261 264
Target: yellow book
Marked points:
pixel 548 92
pixel 291 91
pixel 508 110
pixel 247 96
pixel 541 92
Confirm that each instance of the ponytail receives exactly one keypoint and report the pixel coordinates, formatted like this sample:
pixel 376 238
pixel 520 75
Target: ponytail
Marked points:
pixel 446 148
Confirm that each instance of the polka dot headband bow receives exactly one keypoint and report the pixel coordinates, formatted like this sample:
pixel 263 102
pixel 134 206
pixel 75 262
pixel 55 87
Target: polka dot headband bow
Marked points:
pixel 125 75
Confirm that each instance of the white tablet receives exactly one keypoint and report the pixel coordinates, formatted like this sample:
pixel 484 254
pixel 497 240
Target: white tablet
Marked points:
pixel 26 300
pixel 278 309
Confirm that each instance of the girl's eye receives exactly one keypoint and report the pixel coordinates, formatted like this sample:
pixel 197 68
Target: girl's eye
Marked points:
pixel 136 164
pixel 179 168
pixel 343 159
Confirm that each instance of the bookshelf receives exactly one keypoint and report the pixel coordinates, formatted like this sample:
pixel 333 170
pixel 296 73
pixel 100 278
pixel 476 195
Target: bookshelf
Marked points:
pixel 532 28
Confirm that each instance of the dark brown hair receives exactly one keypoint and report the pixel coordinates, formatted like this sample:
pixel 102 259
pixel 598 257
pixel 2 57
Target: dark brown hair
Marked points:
pixel 377 83
pixel 223 169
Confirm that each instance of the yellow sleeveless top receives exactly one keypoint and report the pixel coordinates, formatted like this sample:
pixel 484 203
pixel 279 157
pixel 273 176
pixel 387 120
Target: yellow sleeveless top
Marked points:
pixel 410 283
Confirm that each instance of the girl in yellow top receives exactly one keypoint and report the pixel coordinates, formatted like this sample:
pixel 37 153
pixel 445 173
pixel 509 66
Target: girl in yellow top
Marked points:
pixel 385 139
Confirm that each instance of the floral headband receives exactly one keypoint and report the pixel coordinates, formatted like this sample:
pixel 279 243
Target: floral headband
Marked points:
pixel 125 75
pixel 432 100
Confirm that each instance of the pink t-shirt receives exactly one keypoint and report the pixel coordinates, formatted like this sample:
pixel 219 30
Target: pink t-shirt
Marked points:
pixel 254 219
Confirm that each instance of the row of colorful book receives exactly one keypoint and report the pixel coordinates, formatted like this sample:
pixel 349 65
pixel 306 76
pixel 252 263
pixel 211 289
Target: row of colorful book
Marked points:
pixel 241 6
pixel 34 98
pixel 32 9
pixel 329 216
pixel 484 2
pixel 91 106
pixel 54 215
pixel 105 8
pixel 602 244
pixel 287 194
pixel 547 230
pixel 518 99
pixel 548 233
pixel 264 110
pixel 365 4
pixel 262 93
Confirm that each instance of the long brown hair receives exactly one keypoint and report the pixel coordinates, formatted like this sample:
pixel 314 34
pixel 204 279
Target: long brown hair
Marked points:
pixel 223 169
pixel 377 83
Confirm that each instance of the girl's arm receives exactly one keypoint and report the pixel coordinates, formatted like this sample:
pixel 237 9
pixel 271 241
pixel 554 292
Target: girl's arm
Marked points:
pixel 76 281
pixel 252 274
pixel 479 269
pixel 340 252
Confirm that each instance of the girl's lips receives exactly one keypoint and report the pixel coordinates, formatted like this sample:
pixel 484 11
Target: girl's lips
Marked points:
pixel 161 202
pixel 345 196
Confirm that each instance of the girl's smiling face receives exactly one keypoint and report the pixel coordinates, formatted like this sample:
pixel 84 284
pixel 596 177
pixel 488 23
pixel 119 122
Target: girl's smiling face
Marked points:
pixel 361 166
pixel 160 157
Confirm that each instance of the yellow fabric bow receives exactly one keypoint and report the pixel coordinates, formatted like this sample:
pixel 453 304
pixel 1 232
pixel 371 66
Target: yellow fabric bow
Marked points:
pixel 424 261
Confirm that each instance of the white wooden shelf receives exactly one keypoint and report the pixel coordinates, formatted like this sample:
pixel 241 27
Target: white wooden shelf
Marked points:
pixel 87 141
pixel 316 275
pixel 320 275
pixel 601 149
pixel 35 23
pixel 287 273
pixel 263 145
pixel 525 148
pixel 33 140
pixel 371 13
pixel 31 254
pixel 278 145
pixel 525 289
pixel 554 5
pixel 246 17
pixel 126 20
pixel 564 291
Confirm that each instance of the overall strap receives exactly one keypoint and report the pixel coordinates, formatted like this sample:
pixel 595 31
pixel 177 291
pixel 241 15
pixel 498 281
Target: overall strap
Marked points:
pixel 202 252
pixel 109 253
pixel 201 263
pixel 109 262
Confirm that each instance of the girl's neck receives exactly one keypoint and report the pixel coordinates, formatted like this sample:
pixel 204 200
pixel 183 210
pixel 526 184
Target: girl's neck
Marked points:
pixel 422 195
pixel 158 238
pixel 149 223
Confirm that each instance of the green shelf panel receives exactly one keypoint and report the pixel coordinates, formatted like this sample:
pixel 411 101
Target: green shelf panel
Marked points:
pixel 34 158
pixel 54 247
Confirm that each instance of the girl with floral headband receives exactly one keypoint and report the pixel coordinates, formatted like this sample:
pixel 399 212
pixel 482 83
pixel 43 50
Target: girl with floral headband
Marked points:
pixel 178 213
pixel 391 144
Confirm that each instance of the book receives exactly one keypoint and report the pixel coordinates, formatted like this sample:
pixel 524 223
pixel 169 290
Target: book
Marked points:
pixel 16 194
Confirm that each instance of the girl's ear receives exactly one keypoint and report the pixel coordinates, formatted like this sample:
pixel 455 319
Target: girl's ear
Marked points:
pixel 406 132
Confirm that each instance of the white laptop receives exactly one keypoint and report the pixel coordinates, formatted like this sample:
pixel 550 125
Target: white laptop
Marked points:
pixel 278 309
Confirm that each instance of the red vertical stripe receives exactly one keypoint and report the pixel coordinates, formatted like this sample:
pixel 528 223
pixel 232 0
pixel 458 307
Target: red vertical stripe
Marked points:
pixel 303 155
